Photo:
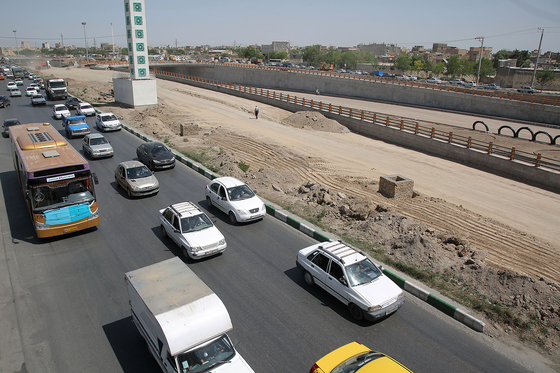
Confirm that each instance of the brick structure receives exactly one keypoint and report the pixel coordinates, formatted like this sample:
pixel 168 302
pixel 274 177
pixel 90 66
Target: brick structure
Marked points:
pixel 396 186
pixel 189 129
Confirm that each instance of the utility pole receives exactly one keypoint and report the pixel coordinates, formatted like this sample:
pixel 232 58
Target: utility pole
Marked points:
pixel 537 62
pixel 62 40
pixel 112 41
pixel 480 59
pixel 17 49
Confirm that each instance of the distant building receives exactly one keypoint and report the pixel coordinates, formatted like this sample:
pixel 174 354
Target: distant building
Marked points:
pixel 46 45
pixel 24 45
pixel 474 53
pixel 276 46
pixel 374 48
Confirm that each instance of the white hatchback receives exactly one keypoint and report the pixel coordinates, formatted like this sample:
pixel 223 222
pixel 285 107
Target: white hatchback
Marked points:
pixel 192 230
pixel 235 198
pixel 352 278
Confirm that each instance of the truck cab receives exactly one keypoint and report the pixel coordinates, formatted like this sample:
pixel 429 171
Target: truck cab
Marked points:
pixel 56 89
pixel 75 126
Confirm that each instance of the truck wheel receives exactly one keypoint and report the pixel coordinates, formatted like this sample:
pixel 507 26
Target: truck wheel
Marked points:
pixel 308 278
pixel 355 312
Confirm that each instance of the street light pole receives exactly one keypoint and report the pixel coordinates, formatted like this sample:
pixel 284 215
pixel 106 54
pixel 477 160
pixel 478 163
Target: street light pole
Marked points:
pixel 85 39
pixel 17 49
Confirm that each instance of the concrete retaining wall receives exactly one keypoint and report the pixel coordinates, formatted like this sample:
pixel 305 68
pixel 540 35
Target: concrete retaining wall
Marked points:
pixel 434 98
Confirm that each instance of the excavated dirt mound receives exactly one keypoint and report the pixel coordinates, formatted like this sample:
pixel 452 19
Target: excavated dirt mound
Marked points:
pixel 315 121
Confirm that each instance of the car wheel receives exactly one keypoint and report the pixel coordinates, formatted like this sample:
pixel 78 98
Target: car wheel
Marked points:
pixel 185 252
pixel 355 312
pixel 232 218
pixel 308 278
pixel 163 232
pixel 209 202
pixel 129 192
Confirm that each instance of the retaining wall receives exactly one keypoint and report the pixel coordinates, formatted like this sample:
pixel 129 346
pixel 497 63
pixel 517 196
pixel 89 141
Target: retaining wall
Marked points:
pixel 434 98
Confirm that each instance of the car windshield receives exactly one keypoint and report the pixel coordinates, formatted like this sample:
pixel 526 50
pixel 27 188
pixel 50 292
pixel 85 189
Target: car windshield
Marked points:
pixel 37 96
pixel 195 223
pixel 362 272
pixel 138 172
pixel 98 141
pixel 60 108
pixel 106 118
pixel 86 107
pixel 61 193
pixel 356 362
pixel 159 149
pixel 205 358
pixel 240 193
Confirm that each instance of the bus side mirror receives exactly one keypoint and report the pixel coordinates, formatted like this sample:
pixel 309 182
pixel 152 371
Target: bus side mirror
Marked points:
pixel 95 179
pixel 27 194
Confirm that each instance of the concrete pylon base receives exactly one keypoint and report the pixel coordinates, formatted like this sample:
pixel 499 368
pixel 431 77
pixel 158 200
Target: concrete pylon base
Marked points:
pixel 135 92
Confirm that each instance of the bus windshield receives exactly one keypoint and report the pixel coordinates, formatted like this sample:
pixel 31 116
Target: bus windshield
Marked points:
pixel 61 193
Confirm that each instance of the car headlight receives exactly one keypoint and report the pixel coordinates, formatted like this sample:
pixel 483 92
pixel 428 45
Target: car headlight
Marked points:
pixel 374 308
pixel 222 242
pixel 196 249
pixel 243 212
pixel 158 162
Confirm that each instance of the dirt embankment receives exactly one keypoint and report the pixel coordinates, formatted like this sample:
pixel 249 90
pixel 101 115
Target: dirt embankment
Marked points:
pixel 515 273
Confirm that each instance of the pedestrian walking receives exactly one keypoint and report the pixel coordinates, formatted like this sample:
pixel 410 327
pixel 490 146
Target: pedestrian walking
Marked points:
pixel 256 112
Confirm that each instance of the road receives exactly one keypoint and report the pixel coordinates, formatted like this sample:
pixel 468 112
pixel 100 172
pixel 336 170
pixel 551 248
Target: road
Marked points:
pixel 71 302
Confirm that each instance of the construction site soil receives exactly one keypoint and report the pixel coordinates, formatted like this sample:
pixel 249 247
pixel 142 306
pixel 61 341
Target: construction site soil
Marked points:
pixel 482 237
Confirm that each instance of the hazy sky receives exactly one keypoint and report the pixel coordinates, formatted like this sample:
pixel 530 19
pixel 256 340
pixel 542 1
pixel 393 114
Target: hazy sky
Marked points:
pixel 505 24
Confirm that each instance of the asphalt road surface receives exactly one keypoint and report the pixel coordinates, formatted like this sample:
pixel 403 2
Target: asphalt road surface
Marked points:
pixel 71 302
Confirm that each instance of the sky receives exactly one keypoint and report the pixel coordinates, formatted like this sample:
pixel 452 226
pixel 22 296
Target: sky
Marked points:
pixel 504 24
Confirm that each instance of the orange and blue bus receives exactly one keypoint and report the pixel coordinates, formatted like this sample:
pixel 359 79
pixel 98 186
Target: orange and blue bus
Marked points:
pixel 56 180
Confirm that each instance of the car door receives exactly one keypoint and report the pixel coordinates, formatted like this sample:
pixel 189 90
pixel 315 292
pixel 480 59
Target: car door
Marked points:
pixel 121 177
pixel 85 145
pixel 318 264
pixel 221 199
pixel 141 153
pixel 336 283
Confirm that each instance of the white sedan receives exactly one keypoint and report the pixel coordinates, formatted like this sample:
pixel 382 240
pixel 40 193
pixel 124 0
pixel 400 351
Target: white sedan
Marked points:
pixel 433 81
pixel 10 86
pixel 352 278
pixel 85 109
pixel 60 111
pixel 30 91
pixel 234 198
pixel 107 122
pixel 191 230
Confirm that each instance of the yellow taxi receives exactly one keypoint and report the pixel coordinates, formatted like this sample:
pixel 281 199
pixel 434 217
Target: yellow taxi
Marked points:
pixel 357 358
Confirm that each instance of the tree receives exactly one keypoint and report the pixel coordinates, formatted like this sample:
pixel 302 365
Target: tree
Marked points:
pixel 453 67
pixel 486 68
pixel 403 62
pixel 522 58
pixel 277 55
pixel 439 68
pixel 468 67
pixel 544 76
pixel 312 54
pixel 152 51
pixel 349 59
pixel 124 52
pixel 502 54
pixel 250 52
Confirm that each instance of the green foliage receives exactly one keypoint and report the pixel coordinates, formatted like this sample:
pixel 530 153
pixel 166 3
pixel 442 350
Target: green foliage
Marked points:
pixel 243 166
pixel 124 52
pixel 453 67
pixel 439 68
pixel 486 68
pixel 152 51
pixel 403 62
pixel 544 76
pixel 468 67
pixel 277 55
pixel 249 52
pixel 312 55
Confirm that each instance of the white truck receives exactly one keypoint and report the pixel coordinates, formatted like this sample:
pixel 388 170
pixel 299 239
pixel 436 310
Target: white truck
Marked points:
pixel 56 89
pixel 183 322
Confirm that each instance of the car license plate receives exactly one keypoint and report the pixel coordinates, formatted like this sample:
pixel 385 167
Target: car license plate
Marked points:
pixel 71 229
pixel 391 310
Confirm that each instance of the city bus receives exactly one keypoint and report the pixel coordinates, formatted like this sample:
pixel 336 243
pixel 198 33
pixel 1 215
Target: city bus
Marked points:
pixel 56 180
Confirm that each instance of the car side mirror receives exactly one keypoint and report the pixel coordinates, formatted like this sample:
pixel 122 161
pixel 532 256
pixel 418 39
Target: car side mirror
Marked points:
pixel 343 282
pixel 381 268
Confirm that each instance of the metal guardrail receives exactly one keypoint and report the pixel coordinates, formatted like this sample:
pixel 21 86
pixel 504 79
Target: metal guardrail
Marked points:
pixel 417 127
